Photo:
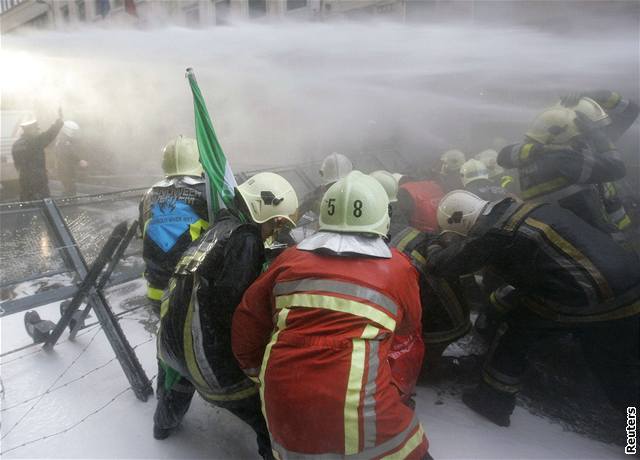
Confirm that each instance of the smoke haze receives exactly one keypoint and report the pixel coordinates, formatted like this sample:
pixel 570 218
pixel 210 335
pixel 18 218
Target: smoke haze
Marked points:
pixel 292 92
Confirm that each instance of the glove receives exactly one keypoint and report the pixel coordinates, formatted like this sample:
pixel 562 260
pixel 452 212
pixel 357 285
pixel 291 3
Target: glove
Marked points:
pixel 592 132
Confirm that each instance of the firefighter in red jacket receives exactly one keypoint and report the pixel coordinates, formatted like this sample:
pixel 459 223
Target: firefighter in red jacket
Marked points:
pixel 418 203
pixel 324 318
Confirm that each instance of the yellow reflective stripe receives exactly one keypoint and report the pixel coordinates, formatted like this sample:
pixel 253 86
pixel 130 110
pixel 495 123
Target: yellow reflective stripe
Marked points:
pixel 354 390
pixel 419 257
pixel 624 223
pixel 617 313
pixel 196 228
pixel 574 254
pixel 281 323
pixel 517 216
pixel 412 443
pixel 244 393
pixel 500 386
pixel 505 181
pixel 164 307
pixel 336 304
pixel 189 354
pixel 545 187
pixel 411 234
pixel 525 151
pixel 154 293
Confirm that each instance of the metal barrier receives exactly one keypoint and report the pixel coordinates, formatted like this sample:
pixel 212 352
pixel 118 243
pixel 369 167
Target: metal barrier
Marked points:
pixel 38 253
pixel 38 259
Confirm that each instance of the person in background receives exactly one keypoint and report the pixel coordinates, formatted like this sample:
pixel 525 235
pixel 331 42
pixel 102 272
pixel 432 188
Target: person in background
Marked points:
pixel 334 167
pixel 418 199
pixel 475 179
pixel 29 158
pixel 567 153
pixel 618 201
pixel 497 174
pixel 563 275
pixel 194 339
pixel 452 161
pixel 316 331
pixel 390 185
pixel 69 157
pixel 173 213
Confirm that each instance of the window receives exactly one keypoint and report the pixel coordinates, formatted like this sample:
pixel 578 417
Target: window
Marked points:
pixel 295 4
pixel 222 12
pixel 64 10
pixel 192 16
pixel 257 8
pixel 82 11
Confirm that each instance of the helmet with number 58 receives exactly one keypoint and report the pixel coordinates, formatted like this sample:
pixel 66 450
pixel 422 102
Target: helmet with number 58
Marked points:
pixel 356 203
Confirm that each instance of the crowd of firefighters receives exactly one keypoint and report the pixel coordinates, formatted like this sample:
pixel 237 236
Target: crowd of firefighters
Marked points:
pixel 317 342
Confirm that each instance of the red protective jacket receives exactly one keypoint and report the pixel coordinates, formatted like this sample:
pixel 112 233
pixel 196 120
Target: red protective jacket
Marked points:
pixel 420 201
pixel 325 381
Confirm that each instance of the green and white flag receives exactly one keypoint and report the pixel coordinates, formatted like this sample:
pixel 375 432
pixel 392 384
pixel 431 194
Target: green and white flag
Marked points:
pixel 214 162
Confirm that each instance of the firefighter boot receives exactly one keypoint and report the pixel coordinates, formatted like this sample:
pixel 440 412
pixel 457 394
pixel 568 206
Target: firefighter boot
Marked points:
pixel 161 433
pixel 495 405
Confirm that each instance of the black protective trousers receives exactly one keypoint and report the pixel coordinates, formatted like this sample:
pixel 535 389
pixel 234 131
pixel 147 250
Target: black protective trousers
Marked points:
pixel 611 349
pixel 174 403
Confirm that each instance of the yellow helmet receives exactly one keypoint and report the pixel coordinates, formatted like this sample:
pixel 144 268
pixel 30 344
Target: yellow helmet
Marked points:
pixel 356 203
pixel 555 126
pixel 473 170
pixel 490 159
pixel 593 111
pixel 268 196
pixel 180 157
pixel 452 160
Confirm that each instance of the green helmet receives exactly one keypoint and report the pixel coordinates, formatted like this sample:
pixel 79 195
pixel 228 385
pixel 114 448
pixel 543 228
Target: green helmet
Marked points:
pixel 268 196
pixel 180 157
pixel 556 126
pixel 452 160
pixel 388 182
pixel 356 203
pixel 473 170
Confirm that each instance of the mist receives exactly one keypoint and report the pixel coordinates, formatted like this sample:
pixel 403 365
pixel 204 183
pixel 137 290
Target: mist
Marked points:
pixel 288 93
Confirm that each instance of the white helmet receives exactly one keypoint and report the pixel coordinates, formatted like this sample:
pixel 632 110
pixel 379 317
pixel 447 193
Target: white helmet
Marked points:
pixel 70 129
pixel 335 167
pixel 459 210
pixel 268 196
pixel 473 170
pixel 490 159
pixel 355 204
pixel 452 160
pixel 555 126
pixel 180 157
pixel 397 177
pixel 388 182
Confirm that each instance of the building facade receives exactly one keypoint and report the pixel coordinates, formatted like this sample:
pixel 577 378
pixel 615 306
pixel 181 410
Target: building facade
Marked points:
pixel 58 14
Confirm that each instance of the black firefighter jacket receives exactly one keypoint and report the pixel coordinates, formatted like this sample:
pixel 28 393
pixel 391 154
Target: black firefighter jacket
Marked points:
pixel 559 266
pixel 195 328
